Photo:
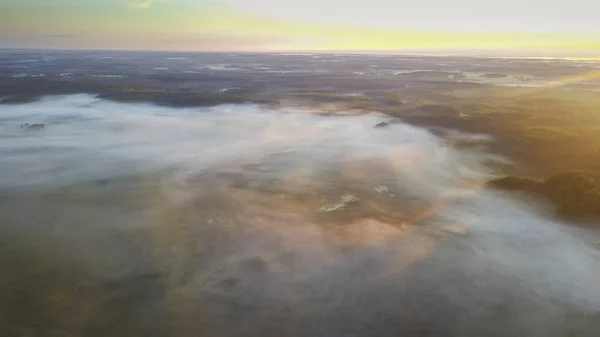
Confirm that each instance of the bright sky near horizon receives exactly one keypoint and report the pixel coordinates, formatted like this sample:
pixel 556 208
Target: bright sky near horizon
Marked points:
pixel 543 27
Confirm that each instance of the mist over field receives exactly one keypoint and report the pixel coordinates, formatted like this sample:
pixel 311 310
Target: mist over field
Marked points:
pixel 352 201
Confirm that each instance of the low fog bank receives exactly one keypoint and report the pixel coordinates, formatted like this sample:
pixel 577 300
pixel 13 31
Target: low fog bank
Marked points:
pixel 241 220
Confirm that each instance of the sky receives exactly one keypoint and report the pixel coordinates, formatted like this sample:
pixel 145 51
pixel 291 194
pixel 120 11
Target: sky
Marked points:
pixel 508 27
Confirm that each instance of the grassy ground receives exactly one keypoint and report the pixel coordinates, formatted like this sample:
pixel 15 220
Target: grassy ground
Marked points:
pixel 552 134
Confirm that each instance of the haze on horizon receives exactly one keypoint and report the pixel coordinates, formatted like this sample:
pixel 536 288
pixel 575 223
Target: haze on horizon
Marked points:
pixel 507 28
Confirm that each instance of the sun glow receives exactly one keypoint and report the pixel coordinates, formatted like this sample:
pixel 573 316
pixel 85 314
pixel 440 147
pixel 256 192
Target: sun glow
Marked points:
pixel 529 26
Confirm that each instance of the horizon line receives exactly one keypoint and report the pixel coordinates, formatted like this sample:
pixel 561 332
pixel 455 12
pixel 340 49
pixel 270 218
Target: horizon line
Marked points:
pixel 458 52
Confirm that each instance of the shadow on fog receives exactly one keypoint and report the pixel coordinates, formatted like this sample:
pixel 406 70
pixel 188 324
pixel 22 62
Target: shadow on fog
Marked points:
pixel 125 219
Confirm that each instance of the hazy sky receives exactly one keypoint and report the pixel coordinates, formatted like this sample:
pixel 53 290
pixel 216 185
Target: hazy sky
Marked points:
pixel 540 26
